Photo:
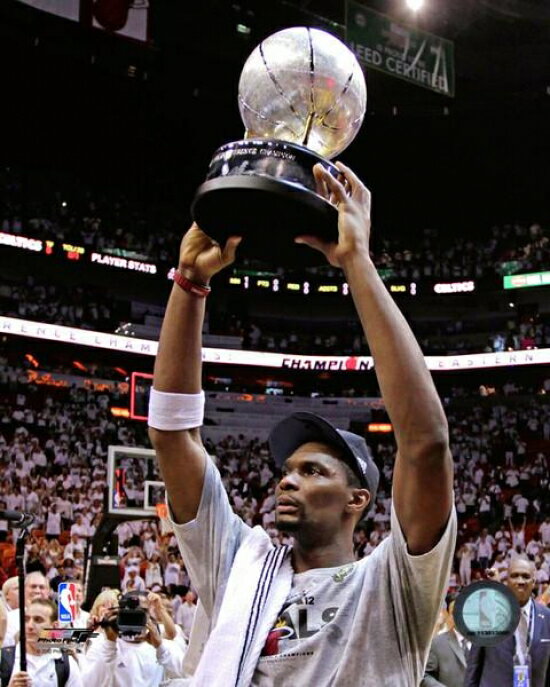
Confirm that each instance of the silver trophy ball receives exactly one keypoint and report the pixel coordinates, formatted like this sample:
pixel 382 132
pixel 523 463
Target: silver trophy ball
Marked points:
pixel 302 99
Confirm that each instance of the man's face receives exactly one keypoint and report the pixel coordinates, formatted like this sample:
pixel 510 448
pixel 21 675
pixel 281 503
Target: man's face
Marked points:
pixel 521 580
pixel 36 589
pixel 313 492
pixel 37 618
pixel 12 596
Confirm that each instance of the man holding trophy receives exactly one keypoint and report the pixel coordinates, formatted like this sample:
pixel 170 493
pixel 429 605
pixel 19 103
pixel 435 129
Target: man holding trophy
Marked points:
pixel 308 614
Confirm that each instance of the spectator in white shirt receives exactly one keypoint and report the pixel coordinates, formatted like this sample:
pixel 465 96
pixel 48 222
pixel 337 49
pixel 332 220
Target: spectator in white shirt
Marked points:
pixel 41 671
pixel 518 534
pixel 534 548
pixel 503 539
pixel 53 523
pixel 544 529
pixel 74 545
pixel 521 503
pixel 10 593
pixel 484 549
pixel 36 587
pixel 172 571
pixel 465 555
pixel 80 529
pixel 145 661
pixel 153 572
pixel 186 613
pixel 133 582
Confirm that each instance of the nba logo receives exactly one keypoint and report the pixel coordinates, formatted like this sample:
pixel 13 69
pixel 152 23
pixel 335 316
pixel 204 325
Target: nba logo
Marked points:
pixel 66 596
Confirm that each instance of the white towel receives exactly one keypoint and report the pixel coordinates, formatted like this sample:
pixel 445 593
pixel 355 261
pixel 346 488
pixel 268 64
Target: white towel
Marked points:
pixel 258 585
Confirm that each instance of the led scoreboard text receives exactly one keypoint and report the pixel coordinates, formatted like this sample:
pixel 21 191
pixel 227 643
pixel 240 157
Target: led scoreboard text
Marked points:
pixel 259 281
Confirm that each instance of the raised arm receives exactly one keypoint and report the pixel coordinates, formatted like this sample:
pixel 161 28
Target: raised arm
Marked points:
pixel 422 482
pixel 178 370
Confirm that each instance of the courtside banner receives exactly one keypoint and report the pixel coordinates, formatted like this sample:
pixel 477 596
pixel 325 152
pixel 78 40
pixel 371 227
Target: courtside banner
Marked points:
pixel 225 356
pixel 381 43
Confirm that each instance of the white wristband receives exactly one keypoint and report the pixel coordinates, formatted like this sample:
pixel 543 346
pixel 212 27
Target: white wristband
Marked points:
pixel 173 412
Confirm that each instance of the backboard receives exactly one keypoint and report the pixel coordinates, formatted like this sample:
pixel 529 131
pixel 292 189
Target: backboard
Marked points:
pixel 133 481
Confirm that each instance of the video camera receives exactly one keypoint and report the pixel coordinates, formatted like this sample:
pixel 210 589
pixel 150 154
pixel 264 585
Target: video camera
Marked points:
pixel 131 618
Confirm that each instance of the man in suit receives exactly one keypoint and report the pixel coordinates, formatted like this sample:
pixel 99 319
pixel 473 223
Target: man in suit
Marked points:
pixel 494 666
pixel 447 660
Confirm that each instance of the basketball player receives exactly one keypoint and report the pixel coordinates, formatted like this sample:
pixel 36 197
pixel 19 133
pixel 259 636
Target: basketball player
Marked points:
pixel 309 614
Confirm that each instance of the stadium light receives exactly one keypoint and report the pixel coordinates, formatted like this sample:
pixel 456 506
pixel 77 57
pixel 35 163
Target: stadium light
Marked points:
pixel 415 5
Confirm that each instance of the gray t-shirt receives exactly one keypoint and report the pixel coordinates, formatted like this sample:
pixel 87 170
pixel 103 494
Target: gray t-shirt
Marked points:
pixel 366 623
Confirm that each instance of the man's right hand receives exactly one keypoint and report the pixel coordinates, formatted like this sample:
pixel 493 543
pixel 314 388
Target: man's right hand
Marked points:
pixel 110 624
pixel 201 257
pixel 20 680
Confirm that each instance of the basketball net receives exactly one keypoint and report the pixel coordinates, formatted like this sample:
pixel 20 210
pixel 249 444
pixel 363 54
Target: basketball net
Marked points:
pixel 162 514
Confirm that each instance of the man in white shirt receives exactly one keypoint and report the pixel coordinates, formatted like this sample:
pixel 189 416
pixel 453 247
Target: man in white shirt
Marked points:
pixel 484 549
pixel 186 613
pixel 41 665
pixel 36 587
pixel 74 545
pixel 144 661
pixel 544 530
pixel 53 523
pixel 133 582
pixel 80 529
pixel 10 593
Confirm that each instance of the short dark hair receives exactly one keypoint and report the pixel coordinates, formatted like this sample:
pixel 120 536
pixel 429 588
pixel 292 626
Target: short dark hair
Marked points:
pixel 352 479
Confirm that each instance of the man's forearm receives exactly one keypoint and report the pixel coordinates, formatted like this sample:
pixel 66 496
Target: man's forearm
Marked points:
pixel 405 382
pixel 178 365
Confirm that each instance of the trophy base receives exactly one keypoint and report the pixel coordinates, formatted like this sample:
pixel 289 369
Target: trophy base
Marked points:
pixel 267 200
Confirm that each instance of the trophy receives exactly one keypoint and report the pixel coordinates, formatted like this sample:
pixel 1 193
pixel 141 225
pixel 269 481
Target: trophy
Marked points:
pixel 302 99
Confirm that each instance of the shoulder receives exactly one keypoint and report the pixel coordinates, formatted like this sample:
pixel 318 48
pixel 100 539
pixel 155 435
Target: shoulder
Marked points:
pixel 71 662
pixel 542 610
pixel 442 641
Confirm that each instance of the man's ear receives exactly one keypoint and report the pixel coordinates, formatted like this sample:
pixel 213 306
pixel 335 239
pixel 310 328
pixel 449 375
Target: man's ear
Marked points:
pixel 359 500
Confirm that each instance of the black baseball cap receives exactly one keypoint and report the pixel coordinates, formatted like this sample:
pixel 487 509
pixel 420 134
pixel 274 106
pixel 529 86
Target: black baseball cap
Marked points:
pixel 302 427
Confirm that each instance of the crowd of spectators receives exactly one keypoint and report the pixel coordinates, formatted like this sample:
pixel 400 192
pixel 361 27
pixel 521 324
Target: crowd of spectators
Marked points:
pixel 53 449
pixel 109 224
pixel 451 337
pixel 92 308
pixel 83 307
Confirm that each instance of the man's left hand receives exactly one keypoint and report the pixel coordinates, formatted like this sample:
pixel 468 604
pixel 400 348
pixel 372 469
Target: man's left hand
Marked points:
pixel 353 200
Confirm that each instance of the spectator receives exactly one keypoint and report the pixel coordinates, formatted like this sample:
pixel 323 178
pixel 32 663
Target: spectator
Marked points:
pixel 484 549
pixel 494 666
pixel 145 661
pixel 133 582
pixel 186 613
pixel 36 587
pixel 10 594
pixel 42 668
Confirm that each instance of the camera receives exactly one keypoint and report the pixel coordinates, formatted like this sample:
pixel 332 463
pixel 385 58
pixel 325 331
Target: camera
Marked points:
pixel 131 618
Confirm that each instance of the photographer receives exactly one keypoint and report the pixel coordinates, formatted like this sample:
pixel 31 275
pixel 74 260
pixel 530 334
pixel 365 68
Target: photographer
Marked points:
pixel 138 656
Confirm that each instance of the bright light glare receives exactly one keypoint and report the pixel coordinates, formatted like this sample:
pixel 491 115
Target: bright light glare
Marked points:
pixel 415 4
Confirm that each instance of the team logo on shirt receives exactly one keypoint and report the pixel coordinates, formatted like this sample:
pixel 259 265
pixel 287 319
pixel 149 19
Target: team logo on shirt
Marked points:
pixel 302 624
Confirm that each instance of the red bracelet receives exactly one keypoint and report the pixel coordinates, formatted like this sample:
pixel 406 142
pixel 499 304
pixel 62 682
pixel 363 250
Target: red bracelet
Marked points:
pixel 201 290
